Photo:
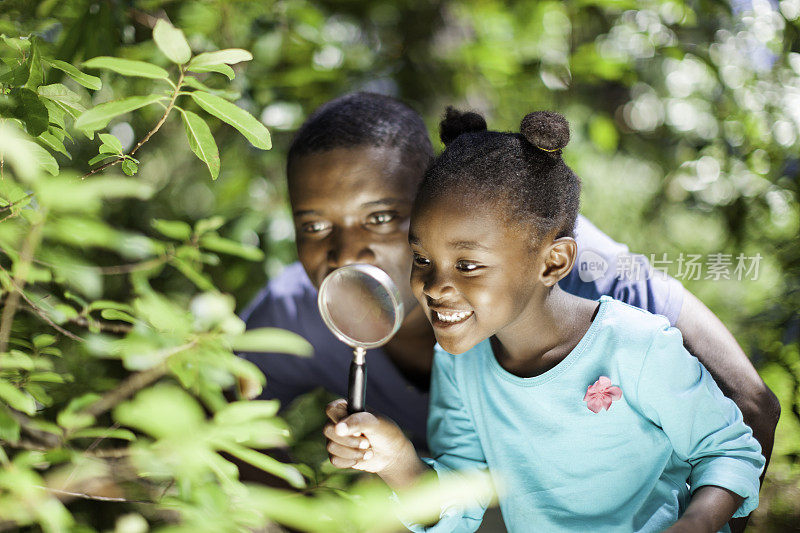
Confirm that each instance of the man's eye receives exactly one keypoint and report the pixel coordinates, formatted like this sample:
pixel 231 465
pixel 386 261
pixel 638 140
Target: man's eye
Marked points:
pixel 384 217
pixel 314 227
pixel 420 261
pixel 467 266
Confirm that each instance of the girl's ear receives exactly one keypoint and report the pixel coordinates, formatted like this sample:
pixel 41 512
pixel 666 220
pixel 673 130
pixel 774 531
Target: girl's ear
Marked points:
pixel 559 257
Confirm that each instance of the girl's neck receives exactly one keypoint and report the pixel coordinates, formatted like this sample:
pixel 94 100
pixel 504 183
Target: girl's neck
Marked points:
pixel 553 325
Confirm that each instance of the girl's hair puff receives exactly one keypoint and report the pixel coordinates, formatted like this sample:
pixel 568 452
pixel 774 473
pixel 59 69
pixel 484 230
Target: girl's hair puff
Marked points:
pixel 523 173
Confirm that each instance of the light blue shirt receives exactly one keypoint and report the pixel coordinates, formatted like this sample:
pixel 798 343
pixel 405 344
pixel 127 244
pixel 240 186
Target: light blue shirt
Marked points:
pixel 563 467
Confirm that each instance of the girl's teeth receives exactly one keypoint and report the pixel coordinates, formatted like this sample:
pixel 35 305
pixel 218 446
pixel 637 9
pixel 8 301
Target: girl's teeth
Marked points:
pixel 453 317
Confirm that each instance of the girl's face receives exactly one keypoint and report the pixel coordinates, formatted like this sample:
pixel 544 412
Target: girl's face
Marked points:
pixel 474 274
pixel 352 205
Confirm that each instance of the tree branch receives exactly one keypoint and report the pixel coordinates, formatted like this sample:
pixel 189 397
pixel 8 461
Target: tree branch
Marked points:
pixel 134 382
pixel 12 300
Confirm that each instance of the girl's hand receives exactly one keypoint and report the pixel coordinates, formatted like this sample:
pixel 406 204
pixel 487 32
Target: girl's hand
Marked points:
pixel 365 442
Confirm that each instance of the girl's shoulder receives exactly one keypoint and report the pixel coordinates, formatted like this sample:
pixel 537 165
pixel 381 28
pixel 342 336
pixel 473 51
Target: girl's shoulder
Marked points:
pixel 629 319
pixel 630 332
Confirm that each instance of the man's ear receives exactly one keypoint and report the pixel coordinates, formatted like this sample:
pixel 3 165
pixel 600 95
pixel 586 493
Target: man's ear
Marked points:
pixel 558 259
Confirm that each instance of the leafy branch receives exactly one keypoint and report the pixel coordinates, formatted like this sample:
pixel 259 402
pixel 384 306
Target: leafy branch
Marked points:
pixel 172 44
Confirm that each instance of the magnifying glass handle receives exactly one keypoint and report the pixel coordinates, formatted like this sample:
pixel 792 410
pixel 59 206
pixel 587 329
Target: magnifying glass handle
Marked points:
pixel 357 389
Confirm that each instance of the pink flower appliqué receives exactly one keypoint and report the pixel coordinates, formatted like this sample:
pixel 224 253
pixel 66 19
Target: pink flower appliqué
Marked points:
pixel 601 394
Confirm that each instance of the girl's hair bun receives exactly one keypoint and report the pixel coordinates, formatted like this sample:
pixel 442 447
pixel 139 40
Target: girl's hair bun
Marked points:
pixel 456 123
pixel 546 130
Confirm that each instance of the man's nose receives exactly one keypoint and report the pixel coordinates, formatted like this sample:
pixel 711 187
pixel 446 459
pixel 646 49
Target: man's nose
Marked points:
pixel 348 247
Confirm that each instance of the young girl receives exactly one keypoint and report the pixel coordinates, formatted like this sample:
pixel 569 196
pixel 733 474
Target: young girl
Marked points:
pixel 590 414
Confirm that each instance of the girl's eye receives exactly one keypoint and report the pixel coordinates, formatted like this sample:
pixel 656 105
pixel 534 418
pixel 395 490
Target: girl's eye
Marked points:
pixel 314 227
pixel 420 261
pixel 467 266
pixel 384 217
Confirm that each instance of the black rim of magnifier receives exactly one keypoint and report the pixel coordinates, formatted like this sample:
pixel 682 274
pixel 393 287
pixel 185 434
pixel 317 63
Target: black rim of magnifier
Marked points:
pixel 357 379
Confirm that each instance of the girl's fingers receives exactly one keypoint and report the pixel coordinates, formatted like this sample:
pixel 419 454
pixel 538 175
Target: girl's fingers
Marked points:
pixel 349 441
pixel 344 452
pixel 336 410
pixel 338 462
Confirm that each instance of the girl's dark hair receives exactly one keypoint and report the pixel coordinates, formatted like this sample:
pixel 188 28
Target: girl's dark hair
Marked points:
pixel 523 172
pixel 363 119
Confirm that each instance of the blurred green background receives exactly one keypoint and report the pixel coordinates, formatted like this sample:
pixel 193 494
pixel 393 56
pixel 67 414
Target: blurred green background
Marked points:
pixel 685 119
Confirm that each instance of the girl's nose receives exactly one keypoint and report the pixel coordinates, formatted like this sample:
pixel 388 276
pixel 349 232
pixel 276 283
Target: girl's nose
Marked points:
pixel 436 286
pixel 348 247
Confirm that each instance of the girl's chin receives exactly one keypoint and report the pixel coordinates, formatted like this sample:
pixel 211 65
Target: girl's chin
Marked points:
pixel 455 348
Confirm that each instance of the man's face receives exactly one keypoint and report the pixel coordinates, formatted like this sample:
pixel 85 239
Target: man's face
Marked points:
pixel 352 205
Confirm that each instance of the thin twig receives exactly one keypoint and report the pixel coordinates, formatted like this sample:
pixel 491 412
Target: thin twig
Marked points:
pixel 12 204
pixel 12 300
pixel 103 167
pixel 33 308
pixel 134 382
pixel 45 439
pixel 152 132
pixel 133 267
pixel 166 113
pixel 89 496
pixel 103 326
pixel 110 453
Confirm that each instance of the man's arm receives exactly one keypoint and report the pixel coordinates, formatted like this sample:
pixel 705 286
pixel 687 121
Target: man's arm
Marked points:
pixel 707 338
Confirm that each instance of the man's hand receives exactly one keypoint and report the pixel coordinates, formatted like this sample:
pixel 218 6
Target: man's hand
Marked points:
pixel 370 443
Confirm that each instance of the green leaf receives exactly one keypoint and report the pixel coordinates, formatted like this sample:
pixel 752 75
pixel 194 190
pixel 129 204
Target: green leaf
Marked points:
pixel 215 243
pixel 242 412
pixel 43 339
pixel 109 304
pixel 113 314
pixel 201 141
pixel 228 56
pixel 9 427
pixel 270 340
pixel 58 92
pixel 30 110
pixel 162 314
pixel 171 41
pixel 209 224
pixel 252 129
pixel 174 229
pixel 46 377
pixel 129 167
pixel 98 117
pixel 73 417
pixel 36 76
pixel 127 67
pixel 16 398
pixel 53 143
pixel 161 411
pixel 66 193
pixel 16 360
pixel 17 76
pixel 101 157
pixel 90 82
pixel 266 463
pixel 111 141
pixel 220 69
pixel 27 157
pixel 56 115
pixel 196 277
pixel 194 83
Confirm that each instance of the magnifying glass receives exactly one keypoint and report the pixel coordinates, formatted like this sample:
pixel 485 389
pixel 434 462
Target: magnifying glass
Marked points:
pixel 361 305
